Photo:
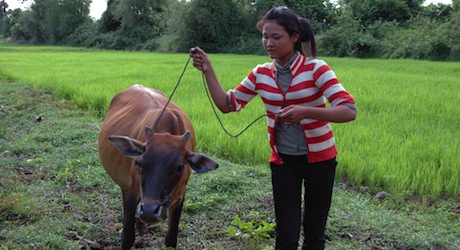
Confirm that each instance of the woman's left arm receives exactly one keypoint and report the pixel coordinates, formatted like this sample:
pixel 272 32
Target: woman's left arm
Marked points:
pixel 342 107
pixel 295 113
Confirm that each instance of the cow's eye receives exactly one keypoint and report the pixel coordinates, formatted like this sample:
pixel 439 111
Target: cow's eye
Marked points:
pixel 180 168
pixel 139 167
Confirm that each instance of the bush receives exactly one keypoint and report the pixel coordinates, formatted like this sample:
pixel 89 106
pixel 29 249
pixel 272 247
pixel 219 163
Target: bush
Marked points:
pixel 401 44
pixel 344 39
pixel 84 35
pixel 424 39
pixel 248 44
pixel 168 43
pixel 151 45
pixel 110 40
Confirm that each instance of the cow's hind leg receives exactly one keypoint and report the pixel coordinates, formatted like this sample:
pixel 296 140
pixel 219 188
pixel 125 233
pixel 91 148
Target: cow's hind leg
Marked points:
pixel 129 207
pixel 173 224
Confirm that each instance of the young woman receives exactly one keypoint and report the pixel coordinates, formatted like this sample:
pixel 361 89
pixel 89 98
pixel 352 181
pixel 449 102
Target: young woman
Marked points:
pixel 294 88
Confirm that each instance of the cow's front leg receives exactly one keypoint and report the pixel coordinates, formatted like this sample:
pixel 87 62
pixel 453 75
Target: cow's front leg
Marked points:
pixel 141 227
pixel 174 213
pixel 129 207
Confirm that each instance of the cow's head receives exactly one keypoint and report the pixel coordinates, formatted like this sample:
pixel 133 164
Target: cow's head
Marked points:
pixel 161 162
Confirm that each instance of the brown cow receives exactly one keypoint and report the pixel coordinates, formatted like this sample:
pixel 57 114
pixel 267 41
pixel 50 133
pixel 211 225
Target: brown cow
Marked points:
pixel 151 165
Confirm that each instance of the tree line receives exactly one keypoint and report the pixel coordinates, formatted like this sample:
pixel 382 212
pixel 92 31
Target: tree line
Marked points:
pixel 352 28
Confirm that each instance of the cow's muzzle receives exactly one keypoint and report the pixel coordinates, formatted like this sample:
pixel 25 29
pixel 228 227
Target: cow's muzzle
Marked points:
pixel 151 211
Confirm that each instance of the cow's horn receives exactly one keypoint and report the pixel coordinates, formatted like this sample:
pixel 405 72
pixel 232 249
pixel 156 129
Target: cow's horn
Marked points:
pixel 148 131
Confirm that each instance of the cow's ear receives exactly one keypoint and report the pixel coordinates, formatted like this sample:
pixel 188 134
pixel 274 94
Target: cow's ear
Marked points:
pixel 186 136
pixel 201 163
pixel 128 146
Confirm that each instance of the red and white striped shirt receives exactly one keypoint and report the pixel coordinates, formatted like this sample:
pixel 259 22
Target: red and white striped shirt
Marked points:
pixel 313 82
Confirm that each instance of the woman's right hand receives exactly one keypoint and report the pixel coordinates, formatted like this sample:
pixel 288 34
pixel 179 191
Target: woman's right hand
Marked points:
pixel 200 59
pixel 202 63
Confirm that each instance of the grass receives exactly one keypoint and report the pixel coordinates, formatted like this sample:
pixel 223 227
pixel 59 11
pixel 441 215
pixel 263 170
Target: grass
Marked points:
pixel 404 140
pixel 54 194
pixel 406 128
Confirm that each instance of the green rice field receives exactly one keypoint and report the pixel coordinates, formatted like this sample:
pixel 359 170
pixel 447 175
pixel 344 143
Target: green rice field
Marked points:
pixel 405 140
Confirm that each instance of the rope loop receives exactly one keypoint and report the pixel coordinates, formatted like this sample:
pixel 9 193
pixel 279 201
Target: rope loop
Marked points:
pixel 210 102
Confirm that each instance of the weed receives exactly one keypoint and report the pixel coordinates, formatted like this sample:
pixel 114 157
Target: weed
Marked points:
pixel 245 229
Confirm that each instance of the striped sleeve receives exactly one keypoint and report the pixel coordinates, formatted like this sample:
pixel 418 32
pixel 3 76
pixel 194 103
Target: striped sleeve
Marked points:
pixel 330 86
pixel 244 92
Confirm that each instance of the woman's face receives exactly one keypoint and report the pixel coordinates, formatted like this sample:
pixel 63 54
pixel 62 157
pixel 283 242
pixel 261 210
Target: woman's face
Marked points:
pixel 277 42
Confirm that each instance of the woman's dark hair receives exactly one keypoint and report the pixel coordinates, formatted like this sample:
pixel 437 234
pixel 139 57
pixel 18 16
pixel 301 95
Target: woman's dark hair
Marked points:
pixel 293 24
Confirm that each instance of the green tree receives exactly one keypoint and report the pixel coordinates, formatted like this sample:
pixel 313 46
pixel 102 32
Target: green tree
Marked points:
pixel 439 11
pixel 369 11
pixel 214 26
pixel 133 24
pixel 108 22
pixel 249 15
pixel 347 38
pixel 322 14
pixel 141 20
pixel 63 18
pixel 455 31
pixel 52 21
pixel 11 20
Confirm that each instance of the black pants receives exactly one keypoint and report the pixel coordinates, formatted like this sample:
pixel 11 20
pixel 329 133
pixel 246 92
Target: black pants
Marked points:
pixel 318 179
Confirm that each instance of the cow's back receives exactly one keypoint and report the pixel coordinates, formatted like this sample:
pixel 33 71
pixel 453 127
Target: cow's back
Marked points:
pixel 129 112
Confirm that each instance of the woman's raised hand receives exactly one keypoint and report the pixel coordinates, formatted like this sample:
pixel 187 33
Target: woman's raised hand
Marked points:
pixel 200 59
